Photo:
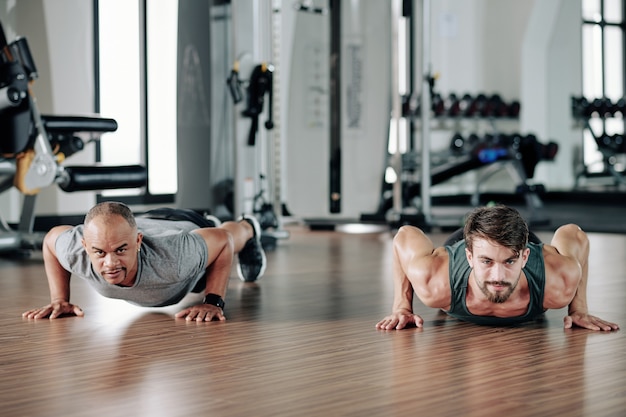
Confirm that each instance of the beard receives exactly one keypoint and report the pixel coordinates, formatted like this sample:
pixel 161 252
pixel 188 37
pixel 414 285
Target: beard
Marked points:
pixel 498 297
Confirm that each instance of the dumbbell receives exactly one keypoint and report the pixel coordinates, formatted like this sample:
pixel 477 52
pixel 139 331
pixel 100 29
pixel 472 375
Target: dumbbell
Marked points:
pixel 513 109
pixel 499 107
pixel 472 140
pixel 549 151
pixel 454 105
pixel 620 107
pixel 457 143
pixel 467 105
pixel 480 104
pixel 580 107
pixel 438 105
pixel 619 143
pixel 601 106
pixel 614 142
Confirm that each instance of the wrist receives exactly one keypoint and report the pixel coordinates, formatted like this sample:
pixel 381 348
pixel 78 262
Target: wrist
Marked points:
pixel 214 299
pixel 575 307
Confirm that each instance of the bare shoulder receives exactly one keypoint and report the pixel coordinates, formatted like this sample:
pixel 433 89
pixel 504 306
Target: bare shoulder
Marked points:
pixel 562 276
pixel 432 283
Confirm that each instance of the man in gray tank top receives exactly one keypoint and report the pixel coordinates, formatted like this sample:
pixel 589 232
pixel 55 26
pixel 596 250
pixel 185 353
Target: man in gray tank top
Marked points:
pixel 491 274
pixel 153 260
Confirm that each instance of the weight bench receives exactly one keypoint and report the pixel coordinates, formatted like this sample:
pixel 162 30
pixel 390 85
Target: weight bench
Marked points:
pixel 33 148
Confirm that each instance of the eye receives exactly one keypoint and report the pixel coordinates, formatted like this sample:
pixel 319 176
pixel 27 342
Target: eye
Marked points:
pixel 121 250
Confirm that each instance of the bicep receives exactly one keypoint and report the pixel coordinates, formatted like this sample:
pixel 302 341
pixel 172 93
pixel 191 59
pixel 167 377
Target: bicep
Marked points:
pixel 58 276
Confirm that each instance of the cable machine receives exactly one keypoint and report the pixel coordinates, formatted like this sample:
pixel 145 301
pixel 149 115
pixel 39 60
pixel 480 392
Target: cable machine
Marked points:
pixel 262 82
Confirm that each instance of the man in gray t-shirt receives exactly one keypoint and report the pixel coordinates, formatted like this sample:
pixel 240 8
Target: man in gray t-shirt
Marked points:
pixel 150 262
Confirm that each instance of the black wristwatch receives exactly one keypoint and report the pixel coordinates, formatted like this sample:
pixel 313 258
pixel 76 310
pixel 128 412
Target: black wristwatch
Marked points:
pixel 215 300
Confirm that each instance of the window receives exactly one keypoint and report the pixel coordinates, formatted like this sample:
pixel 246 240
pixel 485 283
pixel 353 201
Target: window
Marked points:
pixel 136 83
pixel 603 68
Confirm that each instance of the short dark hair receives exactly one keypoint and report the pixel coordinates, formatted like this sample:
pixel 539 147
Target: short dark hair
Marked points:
pixel 111 208
pixel 501 224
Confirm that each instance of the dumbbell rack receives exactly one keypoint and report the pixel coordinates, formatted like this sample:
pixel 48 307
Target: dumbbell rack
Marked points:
pixel 497 152
pixel 612 147
pixel 396 204
pixel 489 153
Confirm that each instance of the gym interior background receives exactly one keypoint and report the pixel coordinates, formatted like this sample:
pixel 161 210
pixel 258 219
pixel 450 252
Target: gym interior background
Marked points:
pixel 313 115
pixel 178 79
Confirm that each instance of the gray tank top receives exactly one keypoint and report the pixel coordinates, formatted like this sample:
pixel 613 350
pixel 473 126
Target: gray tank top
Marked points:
pixel 459 275
pixel 170 263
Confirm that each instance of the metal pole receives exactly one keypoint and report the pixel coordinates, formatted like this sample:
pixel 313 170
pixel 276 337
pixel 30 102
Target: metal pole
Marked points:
pixel 425 112
pixel 276 157
pixel 396 161
pixel 335 107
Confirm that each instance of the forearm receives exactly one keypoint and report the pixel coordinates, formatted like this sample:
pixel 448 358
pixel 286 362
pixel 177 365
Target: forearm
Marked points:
pixel 403 296
pixel 218 275
pixel 579 302
pixel 402 289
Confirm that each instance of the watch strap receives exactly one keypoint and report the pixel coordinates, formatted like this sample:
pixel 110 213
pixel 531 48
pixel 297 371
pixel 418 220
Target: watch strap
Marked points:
pixel 215 300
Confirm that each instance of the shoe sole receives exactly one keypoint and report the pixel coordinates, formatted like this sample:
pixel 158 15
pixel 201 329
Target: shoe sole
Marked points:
pixel 257 235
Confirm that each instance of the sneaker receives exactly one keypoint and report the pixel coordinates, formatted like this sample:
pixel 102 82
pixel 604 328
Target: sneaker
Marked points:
pixel 252 261
pixel 212 219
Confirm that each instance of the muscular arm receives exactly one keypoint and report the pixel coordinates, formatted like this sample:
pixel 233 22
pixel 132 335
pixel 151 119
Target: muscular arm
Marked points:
pixel 416 266
pixel 58 282
pixel 567 270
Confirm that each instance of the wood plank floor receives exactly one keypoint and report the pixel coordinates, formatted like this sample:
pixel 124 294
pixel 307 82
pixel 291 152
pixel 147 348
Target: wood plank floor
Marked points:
pixel 302 342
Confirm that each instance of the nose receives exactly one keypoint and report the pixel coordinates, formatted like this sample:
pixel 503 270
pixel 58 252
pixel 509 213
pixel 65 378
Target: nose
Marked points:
pixel 497 272
pixel 110 260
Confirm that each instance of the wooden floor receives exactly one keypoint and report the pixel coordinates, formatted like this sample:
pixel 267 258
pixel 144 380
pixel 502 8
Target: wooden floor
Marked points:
pixel 302 342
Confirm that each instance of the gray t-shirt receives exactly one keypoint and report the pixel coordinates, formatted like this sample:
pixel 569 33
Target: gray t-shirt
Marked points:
pixel 170 263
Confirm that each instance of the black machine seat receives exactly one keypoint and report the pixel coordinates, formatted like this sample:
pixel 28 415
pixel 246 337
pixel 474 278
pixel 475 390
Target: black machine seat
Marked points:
pixel 74 124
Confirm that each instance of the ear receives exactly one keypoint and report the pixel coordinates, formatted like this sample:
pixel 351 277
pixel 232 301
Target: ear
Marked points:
pixel 84 244
pixel 468 256
pixel 525 255
pixel 139 239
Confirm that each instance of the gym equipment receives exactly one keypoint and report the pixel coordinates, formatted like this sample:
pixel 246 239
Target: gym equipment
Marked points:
pixel 602 107
pixel 34 146
pixel 454 105
pixel 468 106
pixel 610 146
pixel 519 154
pixel 260 83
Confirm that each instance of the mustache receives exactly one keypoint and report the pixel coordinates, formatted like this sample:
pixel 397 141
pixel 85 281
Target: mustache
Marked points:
pixel 499 283
pixel 109 270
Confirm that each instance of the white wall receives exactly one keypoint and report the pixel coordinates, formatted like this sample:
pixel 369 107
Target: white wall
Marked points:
pixel 552 74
